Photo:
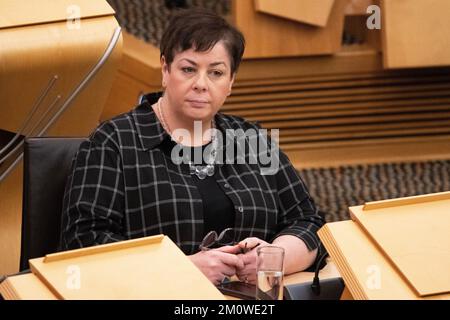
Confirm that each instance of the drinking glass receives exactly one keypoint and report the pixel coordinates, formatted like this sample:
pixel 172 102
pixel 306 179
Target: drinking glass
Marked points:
pixel 270 263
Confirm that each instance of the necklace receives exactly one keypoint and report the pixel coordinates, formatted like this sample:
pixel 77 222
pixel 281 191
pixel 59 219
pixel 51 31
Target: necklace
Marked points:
pixel 200 171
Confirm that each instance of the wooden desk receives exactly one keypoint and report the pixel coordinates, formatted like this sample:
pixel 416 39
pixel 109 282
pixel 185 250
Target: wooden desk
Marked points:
pixel 29 287
pixel 367 273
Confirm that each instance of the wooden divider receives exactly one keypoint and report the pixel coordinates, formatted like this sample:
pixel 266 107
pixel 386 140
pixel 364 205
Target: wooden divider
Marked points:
pixel 43 55
pixel 270 36
pixel 415 33
pixel 314 12
pixel 139 72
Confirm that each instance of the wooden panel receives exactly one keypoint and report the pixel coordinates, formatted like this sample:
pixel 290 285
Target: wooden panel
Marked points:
pixel 342 62
pixel 263 113
pixel 11 220
pixel 34 55
pixel 141 60
pixel 381 142
pixel 315 12
pixel 347 136
pixel 357 258
pixel 288 134
pixel 299 77
pixel 269 36
pixel 352 113
pixel 29 287
pixel 124 95
pixel 425 199
pixel 414 33
pixel 300 84
pixel 371 131
pixel 358 7
pixel 340 99
pixel 33 11
pixel 413 234
pixel 139 72
pixel 431 148
pixel 132 269
pixel 355 91
pixel 25 287
pixel 30 57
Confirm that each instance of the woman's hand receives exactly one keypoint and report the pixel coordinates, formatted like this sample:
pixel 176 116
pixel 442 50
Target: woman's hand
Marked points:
pixel 216 264
pixel 248 272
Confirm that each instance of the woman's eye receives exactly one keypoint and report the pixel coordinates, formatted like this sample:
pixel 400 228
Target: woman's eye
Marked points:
pixel 217 73
pixel 188 69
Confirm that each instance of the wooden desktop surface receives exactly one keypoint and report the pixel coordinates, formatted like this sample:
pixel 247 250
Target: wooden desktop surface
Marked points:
pixel 29 287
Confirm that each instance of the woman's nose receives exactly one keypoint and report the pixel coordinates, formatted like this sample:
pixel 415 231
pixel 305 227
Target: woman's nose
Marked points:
pixel 200 83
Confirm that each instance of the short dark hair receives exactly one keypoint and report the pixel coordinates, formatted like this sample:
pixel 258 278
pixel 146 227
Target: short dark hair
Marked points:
pixel 201 29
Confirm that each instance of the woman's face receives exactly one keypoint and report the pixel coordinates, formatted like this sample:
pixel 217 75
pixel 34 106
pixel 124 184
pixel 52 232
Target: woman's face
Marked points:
pixel 197 83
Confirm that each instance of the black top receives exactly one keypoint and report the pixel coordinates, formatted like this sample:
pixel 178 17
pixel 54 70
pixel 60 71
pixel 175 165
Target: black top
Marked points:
pixel 218 210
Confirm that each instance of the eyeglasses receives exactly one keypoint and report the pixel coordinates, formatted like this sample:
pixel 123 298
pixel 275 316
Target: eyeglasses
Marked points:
pixel 226 237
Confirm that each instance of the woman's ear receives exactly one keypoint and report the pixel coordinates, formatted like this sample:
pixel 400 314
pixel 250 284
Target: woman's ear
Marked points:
pixel 231 83
pixel 164 71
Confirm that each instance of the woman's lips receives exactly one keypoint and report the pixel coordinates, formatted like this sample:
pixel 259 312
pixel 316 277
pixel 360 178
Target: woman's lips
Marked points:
pixel 197 103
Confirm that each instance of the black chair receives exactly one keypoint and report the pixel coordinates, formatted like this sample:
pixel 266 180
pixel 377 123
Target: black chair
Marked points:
pixel 47 163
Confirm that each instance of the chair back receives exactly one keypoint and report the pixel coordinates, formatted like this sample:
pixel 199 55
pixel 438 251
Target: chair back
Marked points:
pixel 47 164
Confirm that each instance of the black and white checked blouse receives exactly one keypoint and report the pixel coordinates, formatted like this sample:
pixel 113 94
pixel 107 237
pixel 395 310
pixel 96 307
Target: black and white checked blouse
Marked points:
pixel 123 186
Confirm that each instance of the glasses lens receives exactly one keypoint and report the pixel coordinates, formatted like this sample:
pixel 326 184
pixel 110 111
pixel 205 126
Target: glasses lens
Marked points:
pixel 209 240
pixel 226 237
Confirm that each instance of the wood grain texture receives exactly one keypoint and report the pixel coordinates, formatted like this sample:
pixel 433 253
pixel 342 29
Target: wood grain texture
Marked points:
pixel 33 56
pixel 268 36
pixel 390 203
pixel 25 287
pixel 11 220
pixel 110 247
pixel 359 7
pixel 124 95
pixel 156 270
pixel 139 72
pixel 46 11
pixel 414 33
pixel 314 12
pixel 30 57
pixel 430 149
pixel 413 236
pixel 359 261
pixel 30 287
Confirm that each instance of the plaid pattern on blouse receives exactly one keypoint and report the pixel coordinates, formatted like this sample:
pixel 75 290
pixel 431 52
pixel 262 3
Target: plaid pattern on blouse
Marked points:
pixel 123 186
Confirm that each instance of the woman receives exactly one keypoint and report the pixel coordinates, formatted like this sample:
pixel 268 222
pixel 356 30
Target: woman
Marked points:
pixel 127 181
